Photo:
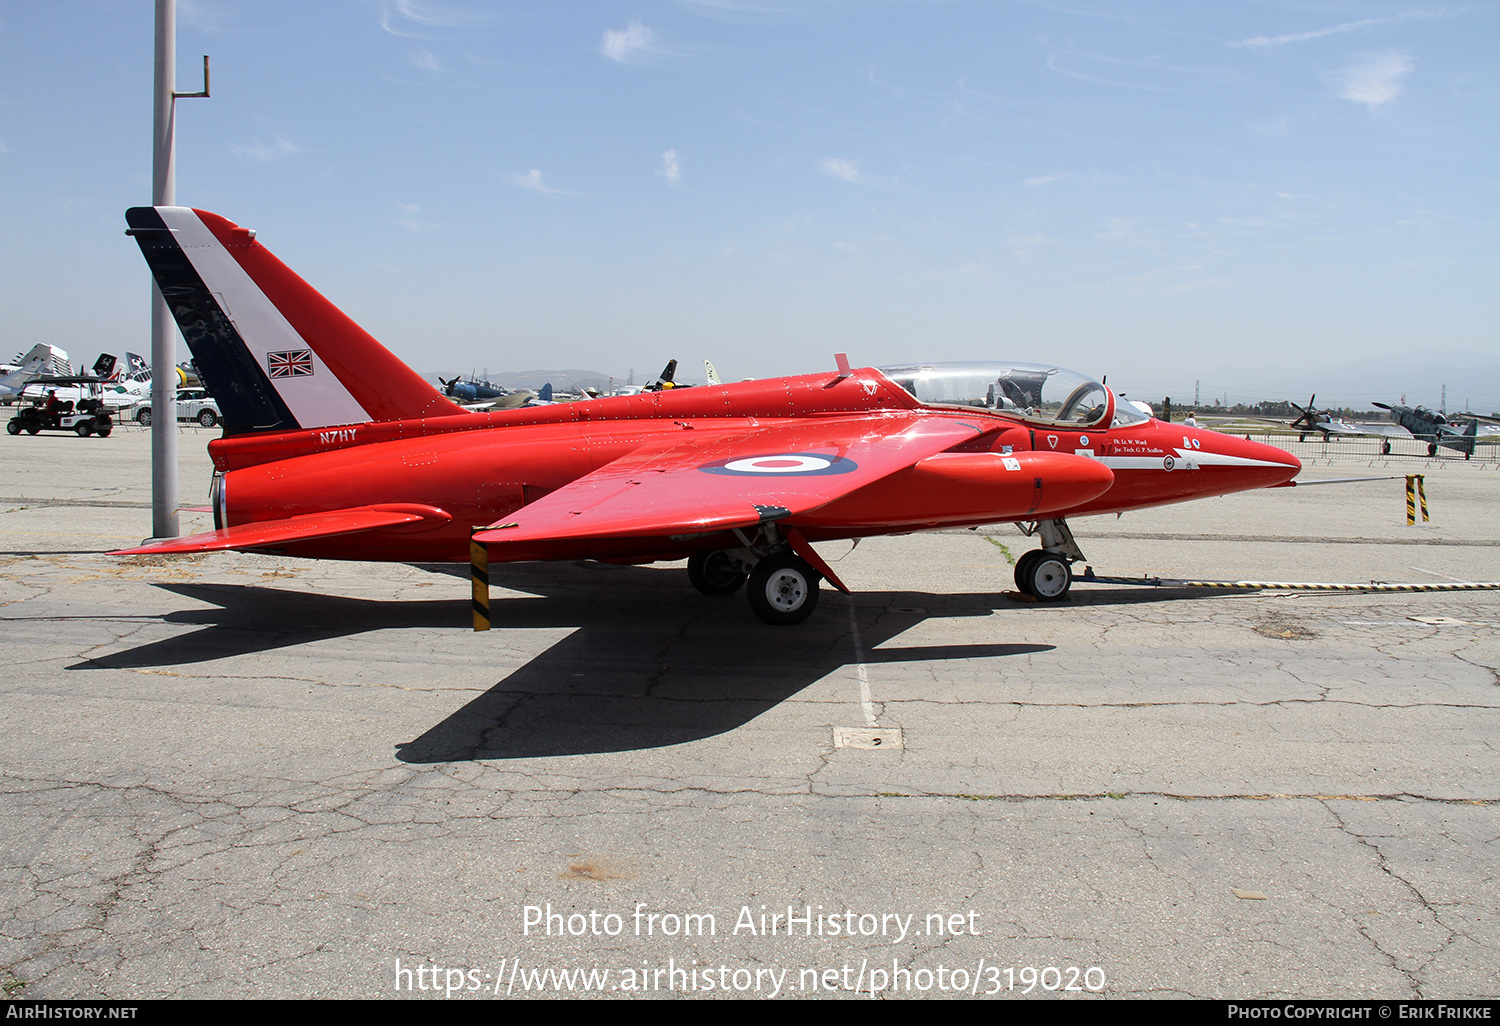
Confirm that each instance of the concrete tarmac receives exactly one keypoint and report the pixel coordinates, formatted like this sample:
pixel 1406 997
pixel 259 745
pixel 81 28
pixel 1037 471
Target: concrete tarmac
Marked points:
pixel 243 776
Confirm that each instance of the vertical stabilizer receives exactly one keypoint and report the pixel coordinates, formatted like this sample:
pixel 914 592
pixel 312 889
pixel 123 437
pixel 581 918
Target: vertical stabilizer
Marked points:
pixel 275 353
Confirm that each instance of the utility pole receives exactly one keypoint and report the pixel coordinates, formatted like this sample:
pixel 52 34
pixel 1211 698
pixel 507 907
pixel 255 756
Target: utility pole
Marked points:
pixel 163 330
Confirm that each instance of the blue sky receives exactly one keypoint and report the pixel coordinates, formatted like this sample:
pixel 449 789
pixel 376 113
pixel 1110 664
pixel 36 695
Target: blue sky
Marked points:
pixel 1249 196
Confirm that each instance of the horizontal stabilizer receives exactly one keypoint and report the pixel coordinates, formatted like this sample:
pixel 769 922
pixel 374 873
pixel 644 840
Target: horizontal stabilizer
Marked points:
pixel 276 533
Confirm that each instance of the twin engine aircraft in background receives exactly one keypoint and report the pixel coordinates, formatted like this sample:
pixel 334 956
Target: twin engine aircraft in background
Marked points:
pixel 334 449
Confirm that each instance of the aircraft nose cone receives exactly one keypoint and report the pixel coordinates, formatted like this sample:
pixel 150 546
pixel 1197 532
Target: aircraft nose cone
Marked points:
pixel 1267 465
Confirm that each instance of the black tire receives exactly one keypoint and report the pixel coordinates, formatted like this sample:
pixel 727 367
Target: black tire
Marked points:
pixel 104 432
pixel 1047 576
pixel 32 429
pixel 783 590
pixel 1385 448
pixel 714 573
pixel 143 417
pixel 1432 448
pixel 13 427
pixel 207 418
pixel 84 428
pixel 1023 571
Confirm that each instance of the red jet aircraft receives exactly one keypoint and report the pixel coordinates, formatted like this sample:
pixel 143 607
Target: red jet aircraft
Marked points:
pixel 334 449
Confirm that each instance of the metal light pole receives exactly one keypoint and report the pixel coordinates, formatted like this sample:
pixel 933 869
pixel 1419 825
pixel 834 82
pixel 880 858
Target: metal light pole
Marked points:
pixel 163 330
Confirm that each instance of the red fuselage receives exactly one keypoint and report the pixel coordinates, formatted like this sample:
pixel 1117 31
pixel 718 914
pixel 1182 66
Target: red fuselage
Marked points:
pixel 472 470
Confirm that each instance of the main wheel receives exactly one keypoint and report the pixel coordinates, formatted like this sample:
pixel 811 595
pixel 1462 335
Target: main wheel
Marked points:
pixel 84 428
pixel 1045 576
pixel 207 418
pixel 714 573
pixel 1432 448
pixel 143 418
pixel 783 589
pixel 13 427
pixel 1385 448
pixel 104 431
pixel 1023 571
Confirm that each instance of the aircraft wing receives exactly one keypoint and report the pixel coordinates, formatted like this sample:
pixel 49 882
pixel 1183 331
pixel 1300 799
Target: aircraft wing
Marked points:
pixel 273 533
pixel 1364 430
pixel 1377 430
pixel 701 479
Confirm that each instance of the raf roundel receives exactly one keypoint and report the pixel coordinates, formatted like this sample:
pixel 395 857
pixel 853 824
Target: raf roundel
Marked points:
pixel 789 464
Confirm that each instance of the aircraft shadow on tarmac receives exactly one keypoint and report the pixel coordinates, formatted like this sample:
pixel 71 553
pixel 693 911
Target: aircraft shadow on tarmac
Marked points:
pixel 650 662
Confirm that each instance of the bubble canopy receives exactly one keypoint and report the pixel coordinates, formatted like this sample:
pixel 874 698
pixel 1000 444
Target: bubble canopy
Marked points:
pixel 1032 391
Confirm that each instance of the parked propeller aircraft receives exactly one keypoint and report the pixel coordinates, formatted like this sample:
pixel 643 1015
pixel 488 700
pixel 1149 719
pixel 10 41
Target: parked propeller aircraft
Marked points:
pixel 333 448
pixel 41 361
pixel 1312 419
pixel 476 394
pixel 108 385
pixel 1459 432
pixel 1456 432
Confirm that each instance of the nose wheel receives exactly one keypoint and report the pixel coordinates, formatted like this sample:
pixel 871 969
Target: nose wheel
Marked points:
pixel 1043 575
pixel 783 589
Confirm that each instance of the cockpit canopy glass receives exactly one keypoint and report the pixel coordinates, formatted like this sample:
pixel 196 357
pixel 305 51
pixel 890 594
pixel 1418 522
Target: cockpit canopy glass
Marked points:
pixel 1034 391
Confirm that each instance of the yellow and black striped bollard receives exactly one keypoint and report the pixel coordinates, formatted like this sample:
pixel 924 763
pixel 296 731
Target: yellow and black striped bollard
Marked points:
pixel 1415 489
pixel 479 575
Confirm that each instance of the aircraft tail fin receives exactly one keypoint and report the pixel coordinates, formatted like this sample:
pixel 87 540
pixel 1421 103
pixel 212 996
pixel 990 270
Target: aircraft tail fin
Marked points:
pixel 40 360
pixel 1469 437
pixel 275 354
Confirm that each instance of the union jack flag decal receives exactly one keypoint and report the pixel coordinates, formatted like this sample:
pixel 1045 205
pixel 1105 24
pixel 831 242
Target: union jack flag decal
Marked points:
pixel 290 365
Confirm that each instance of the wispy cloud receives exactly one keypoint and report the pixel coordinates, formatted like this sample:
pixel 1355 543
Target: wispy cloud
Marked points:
pixel 1044 179
pixel 266 152
pixel 532 180
pixel 631 45
pixel 671 167
pixel 1264 42
pixel 208 17
pixel 411 218
pixel 1376 78
pixel 417 19
pixel 837 167
pixel 425 60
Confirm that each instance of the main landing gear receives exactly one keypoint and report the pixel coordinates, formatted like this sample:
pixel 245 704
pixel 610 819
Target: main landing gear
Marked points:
pixel 783 589
pixel 782 586
pixel 716 573
pixel 1046 574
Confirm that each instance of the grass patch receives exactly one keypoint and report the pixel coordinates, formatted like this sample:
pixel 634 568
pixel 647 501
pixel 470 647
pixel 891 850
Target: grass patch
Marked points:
pixel 1004 549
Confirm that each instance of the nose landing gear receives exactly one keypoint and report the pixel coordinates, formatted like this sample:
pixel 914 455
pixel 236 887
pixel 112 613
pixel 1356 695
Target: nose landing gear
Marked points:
pixel 1046 574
